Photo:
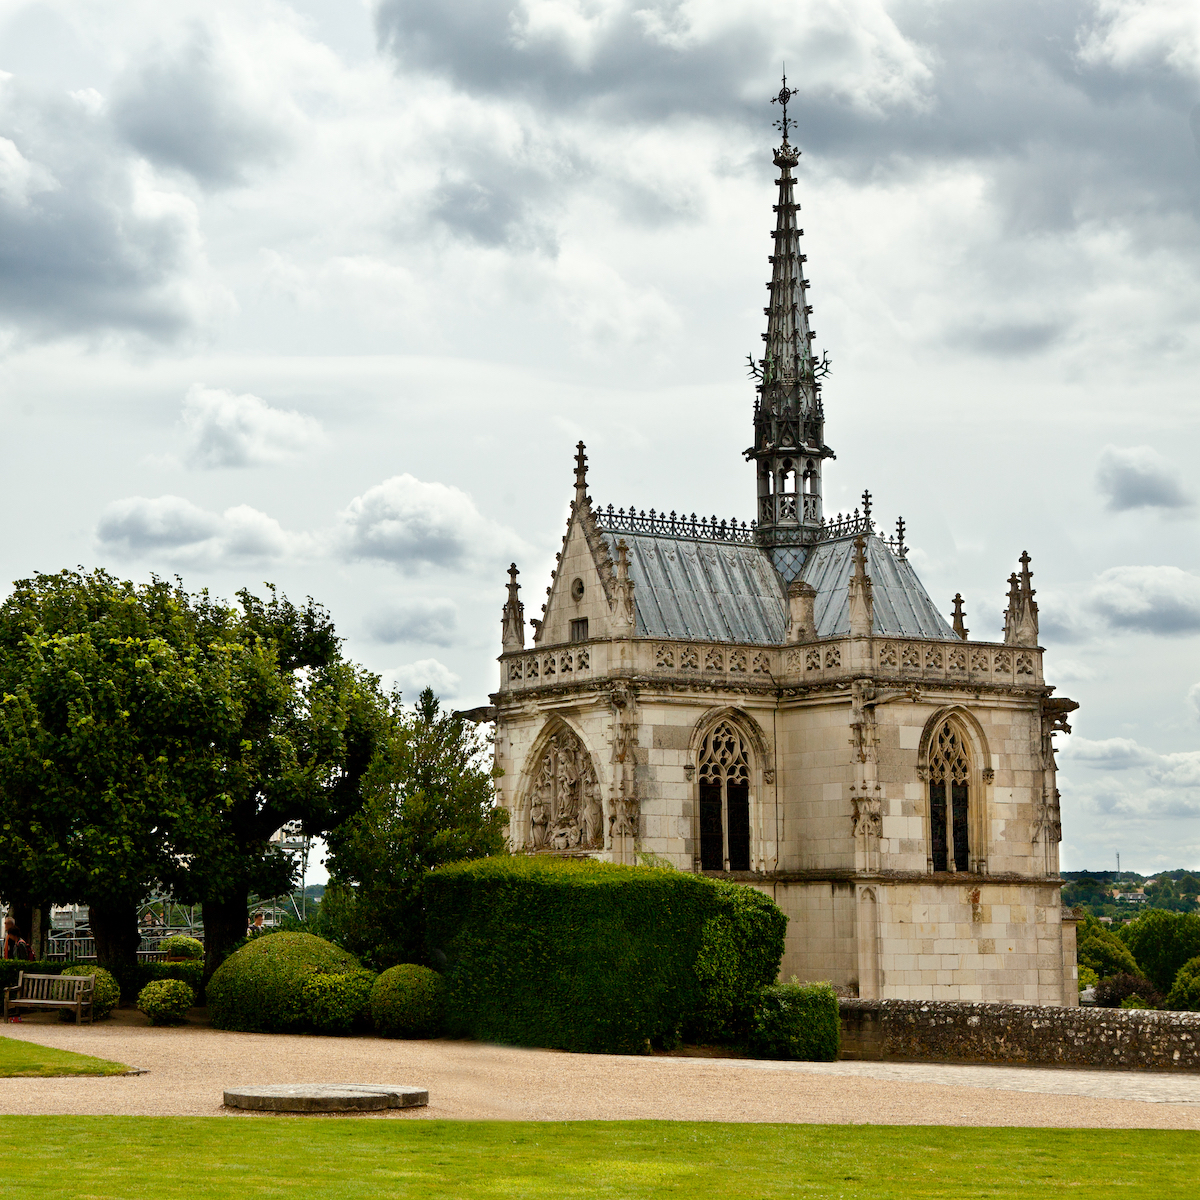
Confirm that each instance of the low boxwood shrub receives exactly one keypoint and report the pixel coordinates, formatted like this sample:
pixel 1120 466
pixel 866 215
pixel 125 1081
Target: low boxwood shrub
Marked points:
pixel 580 955
pixel 166 1001
pixel 408 1001
pixel 106 994
pixel 260 988
pixel 180 946
pixel 1185 991
pixel 336 1003
pixel 798 1021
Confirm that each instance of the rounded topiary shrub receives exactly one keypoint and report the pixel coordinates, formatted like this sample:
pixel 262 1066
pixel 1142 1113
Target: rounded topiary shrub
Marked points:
pixel 166 1001
pixel 260 988
pixel 408 1001
pixel 106 994
pixel 336 1003
pixel 180 946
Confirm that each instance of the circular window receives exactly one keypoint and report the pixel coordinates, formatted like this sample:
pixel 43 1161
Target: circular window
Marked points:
pixel 577 590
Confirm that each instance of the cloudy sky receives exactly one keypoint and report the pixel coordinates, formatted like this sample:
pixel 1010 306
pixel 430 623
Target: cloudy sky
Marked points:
pixel 324 293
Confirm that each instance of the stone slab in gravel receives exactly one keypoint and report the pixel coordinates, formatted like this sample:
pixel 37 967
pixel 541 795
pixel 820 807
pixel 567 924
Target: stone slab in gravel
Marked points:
pixel 326 1097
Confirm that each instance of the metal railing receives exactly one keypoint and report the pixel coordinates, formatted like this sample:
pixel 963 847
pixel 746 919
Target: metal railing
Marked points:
pixel 672 525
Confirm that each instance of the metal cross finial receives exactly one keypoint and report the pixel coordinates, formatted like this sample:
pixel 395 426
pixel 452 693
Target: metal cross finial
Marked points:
pixel 866 499
pixel 900 536
pixel 785 94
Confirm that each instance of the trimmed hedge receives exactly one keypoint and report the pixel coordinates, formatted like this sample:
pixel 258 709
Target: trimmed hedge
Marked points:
pixel 580 955
pixel 179 945
pixel 260 988
pixel 797 1020
pixel 131 980
pixel 166 1001
pixel 10 968
pixel 408 1001
pixel 106 993
pixel 337 1003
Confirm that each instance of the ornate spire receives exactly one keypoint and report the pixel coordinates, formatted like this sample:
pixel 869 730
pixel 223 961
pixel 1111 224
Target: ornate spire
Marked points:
pixel 512 622
pixel 789 425
pixel 582 499
pixel 623 604
pixel 861 592
pixel 1021 615
pixel 959 627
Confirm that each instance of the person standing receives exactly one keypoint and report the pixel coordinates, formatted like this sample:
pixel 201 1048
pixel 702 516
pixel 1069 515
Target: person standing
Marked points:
pixel 14 945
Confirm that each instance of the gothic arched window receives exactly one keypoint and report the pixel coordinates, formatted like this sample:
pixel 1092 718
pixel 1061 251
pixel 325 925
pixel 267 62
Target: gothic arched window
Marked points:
pixel 949 800
pixel 724 801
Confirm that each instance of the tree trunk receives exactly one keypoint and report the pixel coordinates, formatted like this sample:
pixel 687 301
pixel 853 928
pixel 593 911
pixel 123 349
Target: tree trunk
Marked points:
pixel 225 923
pixel 115 928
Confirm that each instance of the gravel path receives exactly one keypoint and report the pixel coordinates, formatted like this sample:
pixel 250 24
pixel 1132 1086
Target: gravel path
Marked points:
pixel 189 1067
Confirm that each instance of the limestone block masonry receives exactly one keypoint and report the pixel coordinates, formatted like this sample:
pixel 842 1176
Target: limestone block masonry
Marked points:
pixel 933 1031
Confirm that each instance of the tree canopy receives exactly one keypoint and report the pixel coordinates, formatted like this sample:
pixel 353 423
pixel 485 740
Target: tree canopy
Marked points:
pixel 429 800
pixel 150 738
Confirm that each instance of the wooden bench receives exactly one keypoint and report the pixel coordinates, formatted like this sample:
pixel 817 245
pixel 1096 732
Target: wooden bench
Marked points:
pixel 52 991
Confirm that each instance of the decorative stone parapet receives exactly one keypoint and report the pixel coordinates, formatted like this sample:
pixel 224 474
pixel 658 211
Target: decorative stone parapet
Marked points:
pixel 951 1031
pixel 895 660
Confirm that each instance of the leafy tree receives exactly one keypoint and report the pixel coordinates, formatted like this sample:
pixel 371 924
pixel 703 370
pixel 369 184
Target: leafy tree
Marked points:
pixel 1162 942
pixel 110 715
pixel 149 738
pixel 1105 953
pixel 311 723
pixel 1185 991
pixel 429 801
pixel 1119 989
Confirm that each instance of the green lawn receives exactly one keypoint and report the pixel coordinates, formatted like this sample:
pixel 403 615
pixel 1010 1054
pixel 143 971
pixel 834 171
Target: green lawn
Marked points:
pixel 124 1158
pixel 27 1058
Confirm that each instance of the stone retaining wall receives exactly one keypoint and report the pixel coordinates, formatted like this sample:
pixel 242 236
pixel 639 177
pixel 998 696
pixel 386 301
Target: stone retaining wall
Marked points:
pixel 949 1031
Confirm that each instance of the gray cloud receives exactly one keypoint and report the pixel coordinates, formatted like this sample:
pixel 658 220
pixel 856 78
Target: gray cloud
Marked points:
pixel 174 530
pixel 1037 92
pixel 187 110
pixel 86 246
pixel 413 678
pixel 1178 770
pixel 413 525
pixel 226 430
pixel 1139 477
pixel 432 622
pixel 1009 339
pixel 1108 754
pixel 1160 600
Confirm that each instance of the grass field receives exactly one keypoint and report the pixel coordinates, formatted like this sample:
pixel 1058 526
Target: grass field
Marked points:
pixel 26 1058
pixel 124 1158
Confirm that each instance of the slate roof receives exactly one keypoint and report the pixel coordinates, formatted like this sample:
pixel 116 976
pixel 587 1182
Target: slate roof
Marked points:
pixel 725 592
pixel 708 590
pixel 901 604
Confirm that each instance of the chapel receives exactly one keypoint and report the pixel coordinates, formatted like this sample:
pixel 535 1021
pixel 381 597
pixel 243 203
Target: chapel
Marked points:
pixel 780 703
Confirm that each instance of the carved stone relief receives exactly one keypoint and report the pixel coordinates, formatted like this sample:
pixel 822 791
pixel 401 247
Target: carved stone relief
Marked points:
pixel 565 811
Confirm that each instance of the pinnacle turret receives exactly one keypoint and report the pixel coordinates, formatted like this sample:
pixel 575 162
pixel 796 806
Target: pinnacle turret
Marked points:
pixel 789 423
